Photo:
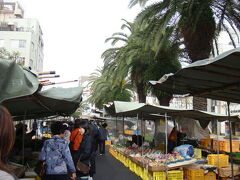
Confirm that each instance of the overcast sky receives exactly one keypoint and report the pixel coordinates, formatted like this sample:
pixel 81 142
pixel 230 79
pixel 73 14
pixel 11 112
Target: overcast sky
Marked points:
pixel 74 31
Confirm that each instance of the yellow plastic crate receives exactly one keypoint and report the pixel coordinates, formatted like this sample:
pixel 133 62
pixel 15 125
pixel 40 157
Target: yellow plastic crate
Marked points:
pixel 197 153
pixel 210 176
pixel 175 175
pixel 218 160
pixel 195 174
pixel 159 176
pixel 235 146
pixel 108 142
pixel 135 168
pixel 206 143
pixel 140 171
pixel 224 145
pixel 132 166
pixel 147 175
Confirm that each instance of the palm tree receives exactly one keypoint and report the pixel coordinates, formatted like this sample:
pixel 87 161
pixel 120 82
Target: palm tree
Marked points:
pixel 198 22
pixel 104 90
pixel 136 59
pixel 129 60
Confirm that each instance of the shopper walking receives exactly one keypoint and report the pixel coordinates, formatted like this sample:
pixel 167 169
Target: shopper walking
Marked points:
pixel 57 156
pixel 75 140
pixel 103 138
pixel 7 139
pixel 85 148
pixel 95 135
pixel 67 132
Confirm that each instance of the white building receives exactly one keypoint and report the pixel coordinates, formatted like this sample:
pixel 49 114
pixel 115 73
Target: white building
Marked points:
pixel 18 34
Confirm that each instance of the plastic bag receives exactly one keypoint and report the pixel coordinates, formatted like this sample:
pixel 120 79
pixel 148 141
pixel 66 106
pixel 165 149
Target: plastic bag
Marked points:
pixel 185 150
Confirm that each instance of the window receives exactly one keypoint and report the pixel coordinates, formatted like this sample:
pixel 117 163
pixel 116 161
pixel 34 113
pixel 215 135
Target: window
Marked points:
pixel 1 43
pixel 18 43
pixel 22 43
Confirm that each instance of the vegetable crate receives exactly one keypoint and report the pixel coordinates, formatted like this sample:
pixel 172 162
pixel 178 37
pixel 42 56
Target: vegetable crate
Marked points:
pixel 224 145
pixel 206 143
pixel 108 142
pixel 197 153
pixel 218 160
pixel 195 174
pixel 159 175
pixel 210 176
pixel 175 175
pixel 171 175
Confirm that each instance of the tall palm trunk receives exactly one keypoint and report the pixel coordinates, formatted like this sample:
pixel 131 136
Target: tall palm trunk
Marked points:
pixel 164 100
pixel 141 92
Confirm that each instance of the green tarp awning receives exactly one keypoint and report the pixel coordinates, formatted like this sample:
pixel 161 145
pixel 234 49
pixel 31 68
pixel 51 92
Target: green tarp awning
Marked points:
pixel 21 94
pixel 54 101
pixel 133 109
pixel 217 78
pixel 16 81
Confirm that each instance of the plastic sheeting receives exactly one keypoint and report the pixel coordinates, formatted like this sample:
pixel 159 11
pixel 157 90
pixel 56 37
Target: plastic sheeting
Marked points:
pixel 192 128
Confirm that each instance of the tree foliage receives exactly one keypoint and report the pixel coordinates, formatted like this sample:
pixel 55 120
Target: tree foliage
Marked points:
pixel 197 22
pixel 137 58
pixel 4 54
pixel 105 90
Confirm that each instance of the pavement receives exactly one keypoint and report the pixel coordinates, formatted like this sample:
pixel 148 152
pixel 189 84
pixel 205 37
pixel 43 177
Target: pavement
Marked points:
pixel 109 168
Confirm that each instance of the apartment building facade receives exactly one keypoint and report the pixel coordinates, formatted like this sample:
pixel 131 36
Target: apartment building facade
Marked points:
pixel 22 35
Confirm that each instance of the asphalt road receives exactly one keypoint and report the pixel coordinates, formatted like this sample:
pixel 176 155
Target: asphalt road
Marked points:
pixel 109 168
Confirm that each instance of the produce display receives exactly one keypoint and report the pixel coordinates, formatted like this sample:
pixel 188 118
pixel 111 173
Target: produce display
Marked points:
pixel 151 157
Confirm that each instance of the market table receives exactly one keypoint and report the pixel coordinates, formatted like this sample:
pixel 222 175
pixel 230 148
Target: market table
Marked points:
pixel 146 171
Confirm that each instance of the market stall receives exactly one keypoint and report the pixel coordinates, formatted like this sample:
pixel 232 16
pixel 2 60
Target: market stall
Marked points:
pixel 21 94
pixel 217 78
pixel 155 161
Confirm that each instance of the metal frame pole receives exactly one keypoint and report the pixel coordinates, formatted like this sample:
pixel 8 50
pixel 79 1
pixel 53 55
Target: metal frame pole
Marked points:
pixel 123 126
pixel 23 138
pixel 137 130
pixel 218 147
pixel 116 126
pixel 142 134
pixel 166 137
pixel 230 138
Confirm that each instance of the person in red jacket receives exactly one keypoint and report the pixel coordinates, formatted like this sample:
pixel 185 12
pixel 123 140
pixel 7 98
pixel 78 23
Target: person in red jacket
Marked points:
pixel 76 139
pixel 172 139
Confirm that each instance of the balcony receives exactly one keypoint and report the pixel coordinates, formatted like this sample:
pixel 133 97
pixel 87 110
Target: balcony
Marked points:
pixel 4 26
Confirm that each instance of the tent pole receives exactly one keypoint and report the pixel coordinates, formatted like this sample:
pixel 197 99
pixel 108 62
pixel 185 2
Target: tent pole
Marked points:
pixel 218 147
pixel 166 126
pixel 137 130
pixel 23 138
pixel 123 126
pixel 116 126
pixel 230 138
pixel 142 134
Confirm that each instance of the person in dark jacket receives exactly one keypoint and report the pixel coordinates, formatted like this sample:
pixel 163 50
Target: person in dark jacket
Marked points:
pixel 95 135
pixel 103 137
pixel 85 148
